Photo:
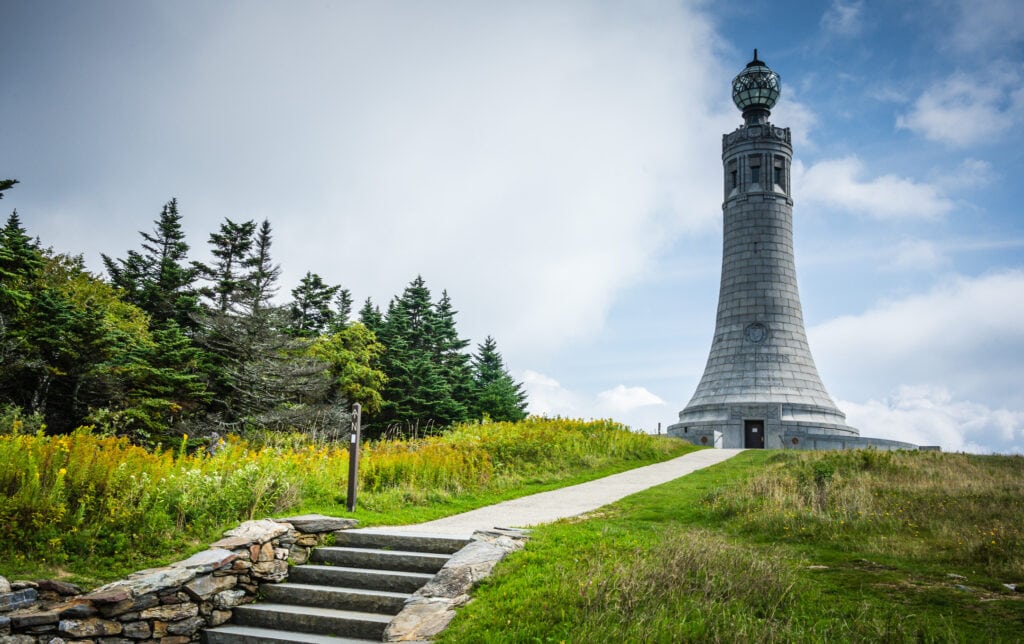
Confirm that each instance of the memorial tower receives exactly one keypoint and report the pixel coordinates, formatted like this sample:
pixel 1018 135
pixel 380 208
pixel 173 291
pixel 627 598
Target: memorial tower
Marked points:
pixel 760 387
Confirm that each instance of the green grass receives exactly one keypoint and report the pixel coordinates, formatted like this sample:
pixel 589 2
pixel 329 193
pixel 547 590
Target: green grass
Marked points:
pixel 777 547
pixel 90 509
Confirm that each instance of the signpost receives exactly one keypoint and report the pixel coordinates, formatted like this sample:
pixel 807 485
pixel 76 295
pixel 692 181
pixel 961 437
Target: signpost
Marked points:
pixel 353 455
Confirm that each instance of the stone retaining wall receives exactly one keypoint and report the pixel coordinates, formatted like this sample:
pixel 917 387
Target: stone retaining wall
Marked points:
pixel 166 605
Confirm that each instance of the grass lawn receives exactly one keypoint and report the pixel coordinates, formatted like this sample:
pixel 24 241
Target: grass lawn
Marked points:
pixel 773 546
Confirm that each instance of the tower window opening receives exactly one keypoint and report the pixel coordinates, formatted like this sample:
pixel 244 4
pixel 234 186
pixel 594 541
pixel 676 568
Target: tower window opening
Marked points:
pixel 755 170
pixel 734 179
pixel 780 174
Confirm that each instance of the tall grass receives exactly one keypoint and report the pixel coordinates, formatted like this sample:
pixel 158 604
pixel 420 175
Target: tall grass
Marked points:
pixel 776 547
pixel 946 509
pixel 89 502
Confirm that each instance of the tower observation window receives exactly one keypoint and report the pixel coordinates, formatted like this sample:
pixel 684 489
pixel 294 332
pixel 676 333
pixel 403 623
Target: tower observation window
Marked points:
pixel 780 173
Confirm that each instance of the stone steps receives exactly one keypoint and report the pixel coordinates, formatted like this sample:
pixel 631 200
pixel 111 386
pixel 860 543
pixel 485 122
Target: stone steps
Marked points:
pixel 348 593
pixel 380 559
pixel 374 601
pixel 252 634
pixel 389 580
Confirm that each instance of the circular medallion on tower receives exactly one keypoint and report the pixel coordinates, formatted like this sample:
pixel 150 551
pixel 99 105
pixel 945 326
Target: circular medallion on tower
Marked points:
pixel 755 90
pixel 756 333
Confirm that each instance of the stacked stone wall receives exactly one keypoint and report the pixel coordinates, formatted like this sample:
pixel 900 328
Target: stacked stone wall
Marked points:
pixel 166 605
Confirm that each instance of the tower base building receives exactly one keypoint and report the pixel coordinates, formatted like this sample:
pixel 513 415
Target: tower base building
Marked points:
pixel 760 387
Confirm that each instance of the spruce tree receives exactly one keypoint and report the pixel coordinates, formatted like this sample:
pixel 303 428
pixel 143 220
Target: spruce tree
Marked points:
pixel 341 317
pixel 265 377
pixel 498 396
pixel 310 309
pixel 230 247
pixel 6 184
pixel 159 281
pixel 451 356
pixel 370 317
pixel 418 394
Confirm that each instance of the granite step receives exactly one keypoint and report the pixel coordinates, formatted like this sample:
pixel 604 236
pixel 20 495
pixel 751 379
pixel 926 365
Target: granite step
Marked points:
pixel 312 619
pixel 357 599
pixel 233 634
pixel 441 544
pixel 395 581
pixel 379 559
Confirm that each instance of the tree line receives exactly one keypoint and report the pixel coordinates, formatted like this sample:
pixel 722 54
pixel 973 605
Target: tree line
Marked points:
pixel 165 345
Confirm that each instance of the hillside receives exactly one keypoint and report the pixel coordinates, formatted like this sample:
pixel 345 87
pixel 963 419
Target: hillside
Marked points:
pixel 778 546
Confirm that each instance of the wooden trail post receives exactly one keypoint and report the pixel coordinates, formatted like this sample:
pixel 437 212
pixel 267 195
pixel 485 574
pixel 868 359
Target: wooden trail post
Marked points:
pixel 353 456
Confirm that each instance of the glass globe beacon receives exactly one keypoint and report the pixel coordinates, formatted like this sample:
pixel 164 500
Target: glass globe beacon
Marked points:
pixel 756 89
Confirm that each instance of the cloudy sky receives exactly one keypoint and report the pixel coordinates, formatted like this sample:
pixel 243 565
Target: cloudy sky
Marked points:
pixel 556 167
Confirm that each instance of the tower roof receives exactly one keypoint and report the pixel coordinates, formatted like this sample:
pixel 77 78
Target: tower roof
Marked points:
pixel 755 90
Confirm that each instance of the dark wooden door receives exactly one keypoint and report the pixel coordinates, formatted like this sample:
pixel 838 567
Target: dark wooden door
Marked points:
pixel 753 434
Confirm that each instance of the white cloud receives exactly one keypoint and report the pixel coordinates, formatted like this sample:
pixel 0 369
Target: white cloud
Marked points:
pixel 987 28
pixel 844 18
pixel 929 415
pixel 971 174
pixel 622 399
pixel 489 149
pixel 547 397
pixel 543 151
pixel 941 367
pixel 967 110
pixel 839 183
pixel 634 406
pixel 798 117
pixel 916 255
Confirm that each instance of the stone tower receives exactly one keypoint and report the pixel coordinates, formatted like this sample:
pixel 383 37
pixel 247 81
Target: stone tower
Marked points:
pixel 760 387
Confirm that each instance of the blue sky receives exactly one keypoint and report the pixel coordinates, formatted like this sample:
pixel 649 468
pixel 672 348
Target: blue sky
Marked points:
pixel 556 167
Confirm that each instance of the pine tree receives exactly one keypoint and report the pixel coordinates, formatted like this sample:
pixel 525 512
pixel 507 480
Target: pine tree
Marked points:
pixel 341 317
pixel 20 263
pixel 418 393
pixel 370 317
pixel 230 247
pixel 6 184
pixel 160 280
pixel 310 309
pixel 450 355
pixel 498 396
pixel 265 377
pixel 260 283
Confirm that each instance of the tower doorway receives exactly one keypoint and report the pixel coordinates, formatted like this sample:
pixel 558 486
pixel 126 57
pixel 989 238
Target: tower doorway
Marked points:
pixel 753 434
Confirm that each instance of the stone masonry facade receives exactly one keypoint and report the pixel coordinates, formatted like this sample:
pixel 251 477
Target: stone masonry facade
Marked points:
pixel 760 367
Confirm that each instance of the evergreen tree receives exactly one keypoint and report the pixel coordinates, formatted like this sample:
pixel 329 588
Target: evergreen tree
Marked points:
pixel 498 396
pixel 341 317
pixel 159 281
pixel 6 184
pixel 451 356
pixel 310 309
pixel 260 283
pixel 370 317
pixel 230 247
pixel 264 377
pixel 20 263
pixel 417 393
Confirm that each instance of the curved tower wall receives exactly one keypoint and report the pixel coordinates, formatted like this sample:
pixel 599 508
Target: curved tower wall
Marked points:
pixel 760 376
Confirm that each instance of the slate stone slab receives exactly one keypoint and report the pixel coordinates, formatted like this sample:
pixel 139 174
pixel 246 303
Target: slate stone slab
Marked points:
pixel 319 523
pixel 208 560
pixel 259 530
pixel 17 599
